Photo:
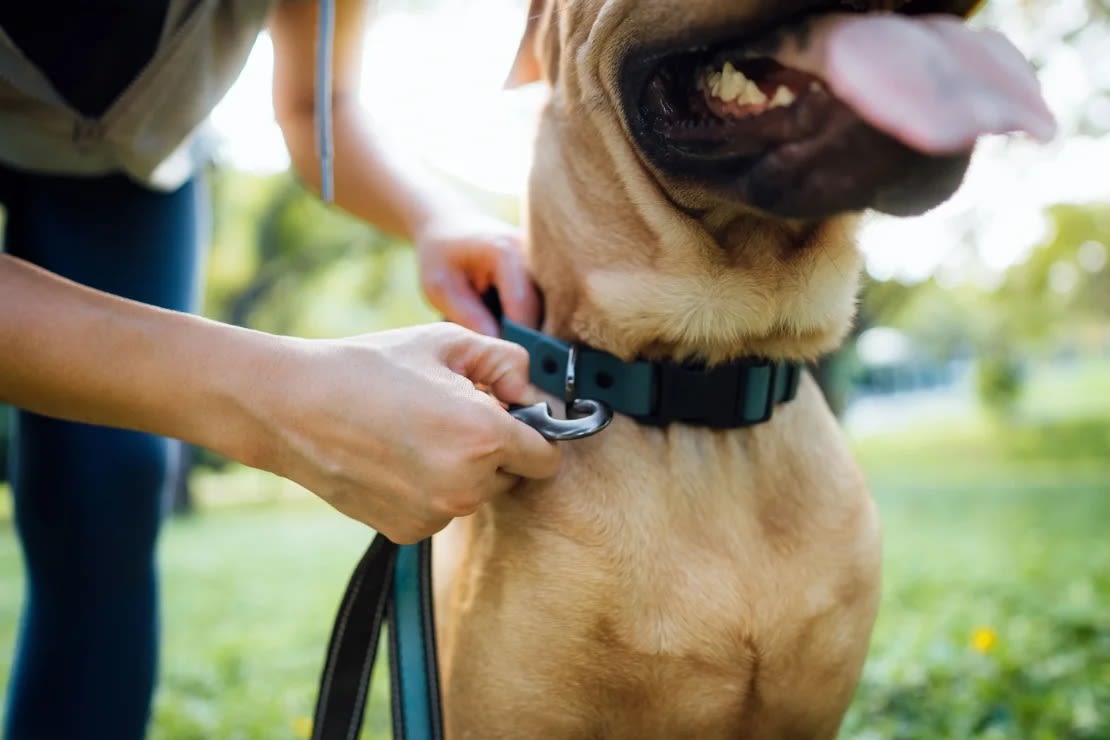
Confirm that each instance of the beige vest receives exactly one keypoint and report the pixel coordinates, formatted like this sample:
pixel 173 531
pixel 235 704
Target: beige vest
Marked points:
pixel 147 131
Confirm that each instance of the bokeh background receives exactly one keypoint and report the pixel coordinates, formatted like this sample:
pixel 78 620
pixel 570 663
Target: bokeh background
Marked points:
pixel 975 390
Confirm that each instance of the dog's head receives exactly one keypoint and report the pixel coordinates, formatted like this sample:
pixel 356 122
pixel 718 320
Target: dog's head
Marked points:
pixel 701 162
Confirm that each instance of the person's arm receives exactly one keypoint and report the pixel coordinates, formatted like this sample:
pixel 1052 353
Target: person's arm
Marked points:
pixel 388 428
pixel 462 252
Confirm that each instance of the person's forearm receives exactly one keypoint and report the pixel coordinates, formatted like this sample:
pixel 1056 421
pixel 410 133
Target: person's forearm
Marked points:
pixel 379 426
pixel 395 194
pixel 74 353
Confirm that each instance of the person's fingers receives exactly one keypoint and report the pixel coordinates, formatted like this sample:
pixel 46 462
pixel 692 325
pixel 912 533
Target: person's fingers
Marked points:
pixel 493 363
pixel 515 288
pixel 526 453
pixel 449 292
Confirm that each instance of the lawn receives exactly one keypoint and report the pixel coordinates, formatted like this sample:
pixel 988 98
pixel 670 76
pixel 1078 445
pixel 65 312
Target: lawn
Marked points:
pixel 995 620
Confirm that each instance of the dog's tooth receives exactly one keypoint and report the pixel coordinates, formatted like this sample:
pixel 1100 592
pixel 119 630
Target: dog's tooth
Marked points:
pixel 739 81
pixel 711 81
pixel 752 95
pixel 732 85
pixel 784 97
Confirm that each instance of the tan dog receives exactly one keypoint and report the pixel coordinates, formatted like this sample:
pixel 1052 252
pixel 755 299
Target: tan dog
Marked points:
pixel 684 582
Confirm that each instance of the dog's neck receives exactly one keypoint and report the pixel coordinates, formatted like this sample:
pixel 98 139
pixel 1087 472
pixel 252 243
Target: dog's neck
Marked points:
pixel 694 294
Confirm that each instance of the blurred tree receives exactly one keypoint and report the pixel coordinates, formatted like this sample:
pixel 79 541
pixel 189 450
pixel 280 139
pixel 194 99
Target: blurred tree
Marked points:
pixel 1065 283
pixel 284 262
pixel 998 381
pixel 1057 301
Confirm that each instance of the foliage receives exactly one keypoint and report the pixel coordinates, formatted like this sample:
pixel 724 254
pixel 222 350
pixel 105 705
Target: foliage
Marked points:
pixel 998 380
pixel 283 262
pixel 1059 431
pixel 993 580
pixel 1063 285
pixel 1057 301
pixel 993 621
pixel 943 323
pixel 991 625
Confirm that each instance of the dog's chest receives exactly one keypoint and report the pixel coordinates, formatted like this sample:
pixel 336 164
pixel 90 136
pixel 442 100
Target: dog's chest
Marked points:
pixel 680 584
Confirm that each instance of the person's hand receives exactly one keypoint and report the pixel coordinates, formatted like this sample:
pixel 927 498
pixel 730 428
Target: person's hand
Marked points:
pixel 390 429
pixel 462 254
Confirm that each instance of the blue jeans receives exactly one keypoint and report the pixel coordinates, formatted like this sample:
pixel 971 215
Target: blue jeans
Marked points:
pixel 89 500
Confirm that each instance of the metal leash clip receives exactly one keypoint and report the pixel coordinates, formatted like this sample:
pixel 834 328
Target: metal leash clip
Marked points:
pixel 585 417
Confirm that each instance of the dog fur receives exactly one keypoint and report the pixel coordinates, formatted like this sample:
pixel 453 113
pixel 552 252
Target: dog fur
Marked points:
pixel 678 582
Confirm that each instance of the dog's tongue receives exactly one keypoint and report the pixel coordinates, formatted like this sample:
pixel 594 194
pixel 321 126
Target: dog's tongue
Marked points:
pixel 929 81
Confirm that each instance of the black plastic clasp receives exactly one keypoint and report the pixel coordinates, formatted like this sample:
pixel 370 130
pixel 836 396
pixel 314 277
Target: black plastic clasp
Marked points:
pixel 696 394
pixel 722 397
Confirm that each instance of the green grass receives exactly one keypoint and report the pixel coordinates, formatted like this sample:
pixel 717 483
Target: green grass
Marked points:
pixel 250 598
pixel 995 527
pixel 991 526
pixel 1029 565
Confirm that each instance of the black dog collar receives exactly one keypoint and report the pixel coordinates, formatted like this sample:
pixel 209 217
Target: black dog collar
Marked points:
pixel 739 394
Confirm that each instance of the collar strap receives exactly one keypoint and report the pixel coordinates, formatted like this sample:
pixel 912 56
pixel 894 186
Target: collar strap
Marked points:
pixel 740 394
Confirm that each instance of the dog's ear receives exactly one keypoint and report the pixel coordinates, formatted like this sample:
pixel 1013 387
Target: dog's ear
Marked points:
pixel 527 66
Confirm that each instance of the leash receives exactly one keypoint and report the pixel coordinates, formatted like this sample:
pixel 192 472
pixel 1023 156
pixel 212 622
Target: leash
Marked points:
pixel 390 585
pixel 393 584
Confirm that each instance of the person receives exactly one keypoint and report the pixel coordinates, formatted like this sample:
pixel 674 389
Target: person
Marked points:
pixel 100 349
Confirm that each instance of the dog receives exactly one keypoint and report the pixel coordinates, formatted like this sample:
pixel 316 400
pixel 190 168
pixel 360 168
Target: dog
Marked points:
pixel 699 174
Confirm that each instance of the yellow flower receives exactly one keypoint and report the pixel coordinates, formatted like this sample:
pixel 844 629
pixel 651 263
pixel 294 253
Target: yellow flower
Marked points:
pixel 984 639
pixel 302 727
